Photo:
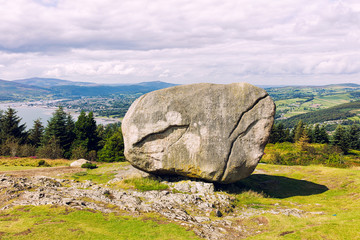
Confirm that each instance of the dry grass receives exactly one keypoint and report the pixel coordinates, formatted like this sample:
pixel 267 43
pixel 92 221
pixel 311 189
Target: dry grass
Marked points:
pixel 25 163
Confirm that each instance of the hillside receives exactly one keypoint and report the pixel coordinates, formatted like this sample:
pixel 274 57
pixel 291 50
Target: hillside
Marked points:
pixel 295 100
pixel 70 91
pixel 13 91
pixel 339 112
pixel 51 88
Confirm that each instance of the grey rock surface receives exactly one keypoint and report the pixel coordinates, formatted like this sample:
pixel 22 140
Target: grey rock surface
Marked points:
pixel 193 187
pixel 79 162
pixel 214 132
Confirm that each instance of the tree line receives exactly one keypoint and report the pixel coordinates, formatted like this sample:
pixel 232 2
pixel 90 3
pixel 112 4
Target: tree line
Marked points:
pixel 344 137
pixel 61 138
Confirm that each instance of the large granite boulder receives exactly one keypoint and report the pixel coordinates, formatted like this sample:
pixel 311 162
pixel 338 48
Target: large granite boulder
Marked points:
pixel 210 131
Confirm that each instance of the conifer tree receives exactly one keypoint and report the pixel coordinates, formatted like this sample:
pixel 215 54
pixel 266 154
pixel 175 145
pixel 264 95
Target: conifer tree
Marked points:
pixel 11 127
pixel 36 133
pixel 61 127
pixel 299 131
pixel 86 132
pixel 324 136
pixel 113 150
pixel 354 136
pixel 317 134
pixel 341 139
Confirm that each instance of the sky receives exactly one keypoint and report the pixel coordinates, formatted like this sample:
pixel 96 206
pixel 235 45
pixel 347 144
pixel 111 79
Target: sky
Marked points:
pixel 282 42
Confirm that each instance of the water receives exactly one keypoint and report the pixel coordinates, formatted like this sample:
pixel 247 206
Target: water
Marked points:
pixel 31 113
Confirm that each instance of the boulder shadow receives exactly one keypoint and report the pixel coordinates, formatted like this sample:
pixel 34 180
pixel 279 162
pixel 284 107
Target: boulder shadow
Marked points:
pixel 273 186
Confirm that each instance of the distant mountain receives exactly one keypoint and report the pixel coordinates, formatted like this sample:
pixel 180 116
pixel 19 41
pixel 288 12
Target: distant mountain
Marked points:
pixel 38 88
pixel 107 90
pixel 339 85
pixel 342 85
pixel 156 84
pixel 51 82
pixel 12 91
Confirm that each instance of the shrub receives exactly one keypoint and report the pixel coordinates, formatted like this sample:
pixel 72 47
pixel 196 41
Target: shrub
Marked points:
pixel 27 150
pixel 42 163
pixel 89 165
pixel 51 150
pixel 79 152
pixel 303 153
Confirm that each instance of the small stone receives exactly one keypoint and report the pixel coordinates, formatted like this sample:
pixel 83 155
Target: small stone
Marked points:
pixel 79 162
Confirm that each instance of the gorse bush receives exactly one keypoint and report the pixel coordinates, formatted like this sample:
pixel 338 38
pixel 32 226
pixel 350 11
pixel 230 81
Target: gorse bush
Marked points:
pixel 43 163
pixel 306 154
pixel 89 165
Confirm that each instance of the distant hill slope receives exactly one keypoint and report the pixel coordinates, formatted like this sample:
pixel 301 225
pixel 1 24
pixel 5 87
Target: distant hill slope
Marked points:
pixel 12 91
pixel 342 111
pixel 51 82
pixel 107 90
pixel 342 85
pixel 38 88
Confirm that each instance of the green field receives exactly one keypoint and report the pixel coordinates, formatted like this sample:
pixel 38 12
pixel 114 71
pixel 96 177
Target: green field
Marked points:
pixel 49 222
pixel 292 101
pixel 276 202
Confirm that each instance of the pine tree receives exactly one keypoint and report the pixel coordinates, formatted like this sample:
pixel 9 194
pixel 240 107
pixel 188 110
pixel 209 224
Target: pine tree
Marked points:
pixel 317 134
pixel 11 127
pixel 354 136
pixel 113 150
pixel 70 135
pixel 341 139
pixel 86 132
pixel 92 133
pixel 324 136
pixel 61 127
pixel 299 131
pixel 36 133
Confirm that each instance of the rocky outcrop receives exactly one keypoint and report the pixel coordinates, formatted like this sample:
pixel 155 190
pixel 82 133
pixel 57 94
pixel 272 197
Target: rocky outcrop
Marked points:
pixel 210 131
pixel 210 214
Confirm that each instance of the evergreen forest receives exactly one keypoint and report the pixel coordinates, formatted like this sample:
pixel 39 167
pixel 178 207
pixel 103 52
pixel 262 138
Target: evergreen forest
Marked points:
pixel 63 137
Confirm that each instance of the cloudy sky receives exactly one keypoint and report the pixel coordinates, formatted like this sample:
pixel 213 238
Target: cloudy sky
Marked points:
pixel 182 41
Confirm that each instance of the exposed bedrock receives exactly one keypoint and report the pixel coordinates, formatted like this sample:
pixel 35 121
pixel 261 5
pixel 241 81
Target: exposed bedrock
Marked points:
pixel 214 132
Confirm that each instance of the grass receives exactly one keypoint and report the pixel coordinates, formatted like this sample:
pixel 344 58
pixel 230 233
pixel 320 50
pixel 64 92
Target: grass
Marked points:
pixel 25 163
pixel 329 197
pixel 142 184
pixel 44 222
pixel 102 174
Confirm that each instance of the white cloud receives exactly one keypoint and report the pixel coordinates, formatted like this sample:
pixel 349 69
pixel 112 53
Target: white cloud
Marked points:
pixel 266 42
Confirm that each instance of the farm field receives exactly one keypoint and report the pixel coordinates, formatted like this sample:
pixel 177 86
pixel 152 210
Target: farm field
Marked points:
pixel 292 101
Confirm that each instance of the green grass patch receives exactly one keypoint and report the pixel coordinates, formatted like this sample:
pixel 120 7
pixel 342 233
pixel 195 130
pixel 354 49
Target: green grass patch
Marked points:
pixel 328 197
pixel 44 222
pixel 104 173
pixel 142 184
